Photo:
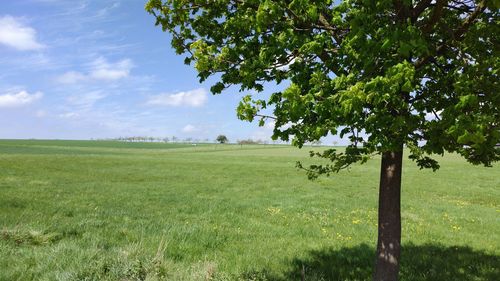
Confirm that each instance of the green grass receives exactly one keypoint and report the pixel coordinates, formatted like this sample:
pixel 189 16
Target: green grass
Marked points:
pixel 83 210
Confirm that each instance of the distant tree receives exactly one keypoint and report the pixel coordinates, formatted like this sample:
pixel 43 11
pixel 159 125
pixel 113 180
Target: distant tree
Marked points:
pixel 316 142
pixel 249 141
pixel 387 74
pixel 221 139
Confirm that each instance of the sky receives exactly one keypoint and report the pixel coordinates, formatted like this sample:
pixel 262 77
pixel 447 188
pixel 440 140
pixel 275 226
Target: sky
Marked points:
pixel 96 69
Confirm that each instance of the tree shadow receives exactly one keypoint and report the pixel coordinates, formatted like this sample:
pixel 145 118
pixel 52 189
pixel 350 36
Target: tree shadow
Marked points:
pixel 418 263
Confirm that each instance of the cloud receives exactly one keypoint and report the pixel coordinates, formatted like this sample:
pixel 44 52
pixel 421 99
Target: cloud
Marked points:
pixel 71 77
pixel 69 115
pixel 265 132
pixel 19 99
pixel 40 113
pixel 87 100
pixel 100 70
pixel 270 125
pixel 15 34
pixel 189 129
pixel 193 98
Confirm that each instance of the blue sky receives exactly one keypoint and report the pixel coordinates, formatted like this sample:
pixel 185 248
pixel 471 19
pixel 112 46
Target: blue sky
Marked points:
pixel 82 69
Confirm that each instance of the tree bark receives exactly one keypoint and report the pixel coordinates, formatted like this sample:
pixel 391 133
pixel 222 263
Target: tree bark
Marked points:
pixel 389 217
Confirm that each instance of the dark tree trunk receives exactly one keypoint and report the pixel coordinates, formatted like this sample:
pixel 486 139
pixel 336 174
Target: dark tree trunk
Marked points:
pixel 389 217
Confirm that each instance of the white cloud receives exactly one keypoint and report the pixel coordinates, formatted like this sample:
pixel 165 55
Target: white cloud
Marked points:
pixel 193 98
pixel 189 129
pixel 69 115
pixel 86 100
pixel 19 99
pixel 40 113
pixel 100 70
pixel 15 34
pixel 270 125
pixel 71 77
pixel 265 132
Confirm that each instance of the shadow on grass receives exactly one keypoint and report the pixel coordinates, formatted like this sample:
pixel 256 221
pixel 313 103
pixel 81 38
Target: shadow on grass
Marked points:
pixel 419 263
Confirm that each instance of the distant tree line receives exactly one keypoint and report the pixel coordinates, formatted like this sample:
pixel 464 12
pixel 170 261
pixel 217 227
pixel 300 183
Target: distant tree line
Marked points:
pixel 218 139
pixel 172 139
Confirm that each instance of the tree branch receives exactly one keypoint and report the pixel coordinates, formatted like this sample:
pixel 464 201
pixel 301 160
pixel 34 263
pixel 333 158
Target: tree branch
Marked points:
pixel 402 10
pixel 470 20
pixel 266 116
pixel 419 9
pixel 457 34
pixel 327 60
pixel 436 15
pixel 322 19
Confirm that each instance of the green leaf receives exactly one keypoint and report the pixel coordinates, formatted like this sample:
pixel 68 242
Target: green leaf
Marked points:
pixel 404 49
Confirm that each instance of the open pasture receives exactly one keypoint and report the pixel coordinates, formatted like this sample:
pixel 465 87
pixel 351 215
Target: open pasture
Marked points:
pixel 90 210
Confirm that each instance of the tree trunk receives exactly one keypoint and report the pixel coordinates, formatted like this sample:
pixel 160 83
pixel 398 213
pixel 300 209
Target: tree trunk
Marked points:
pixel 389 217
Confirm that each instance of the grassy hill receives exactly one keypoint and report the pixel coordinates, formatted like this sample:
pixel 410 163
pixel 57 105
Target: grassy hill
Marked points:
pixel 99 210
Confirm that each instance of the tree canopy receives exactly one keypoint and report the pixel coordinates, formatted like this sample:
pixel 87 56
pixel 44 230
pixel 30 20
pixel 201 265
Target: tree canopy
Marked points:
pixel 221 139
pixel 382 73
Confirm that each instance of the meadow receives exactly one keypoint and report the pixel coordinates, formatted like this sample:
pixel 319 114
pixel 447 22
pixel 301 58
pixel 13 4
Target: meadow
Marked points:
pixel 102 210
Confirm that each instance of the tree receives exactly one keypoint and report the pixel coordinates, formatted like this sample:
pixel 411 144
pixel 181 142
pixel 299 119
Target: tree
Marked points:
pixel 221 139
pixel 385 74
pixel 316 142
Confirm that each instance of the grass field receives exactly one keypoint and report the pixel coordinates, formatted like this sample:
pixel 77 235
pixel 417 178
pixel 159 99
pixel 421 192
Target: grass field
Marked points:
pixel 88 210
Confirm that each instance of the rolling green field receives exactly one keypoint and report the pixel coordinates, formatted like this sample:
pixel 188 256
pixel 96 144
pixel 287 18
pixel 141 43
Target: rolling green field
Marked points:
pixel 89 210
